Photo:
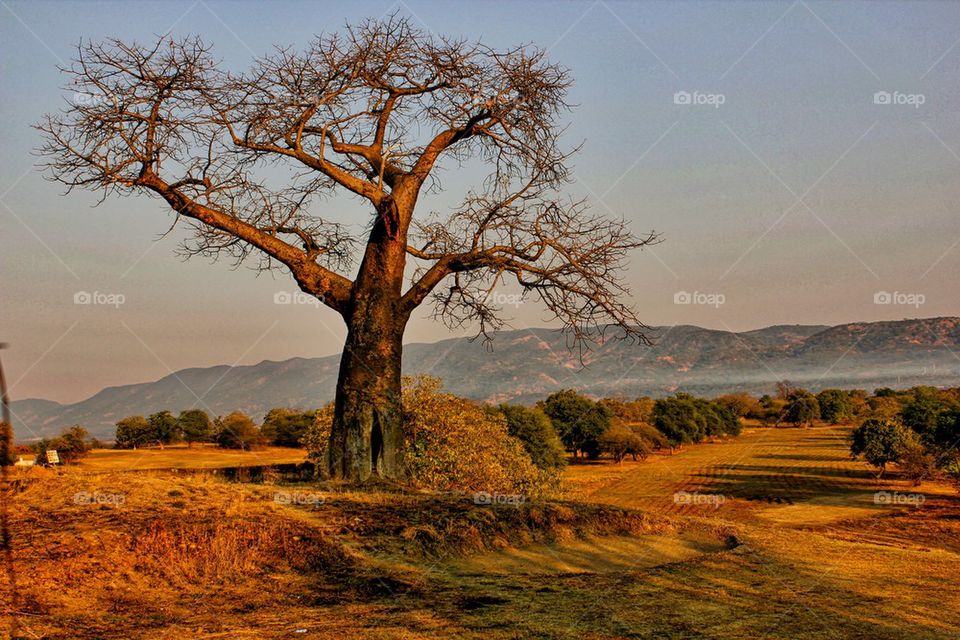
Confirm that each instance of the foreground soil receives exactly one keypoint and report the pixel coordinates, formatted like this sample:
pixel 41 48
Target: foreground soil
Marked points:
pixel 776 534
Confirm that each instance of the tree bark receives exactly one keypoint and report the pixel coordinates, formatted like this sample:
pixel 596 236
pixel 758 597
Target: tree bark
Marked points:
pixel 366 438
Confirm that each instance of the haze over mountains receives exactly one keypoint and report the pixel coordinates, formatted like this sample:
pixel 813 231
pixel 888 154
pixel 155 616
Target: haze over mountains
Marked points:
pixel 526 365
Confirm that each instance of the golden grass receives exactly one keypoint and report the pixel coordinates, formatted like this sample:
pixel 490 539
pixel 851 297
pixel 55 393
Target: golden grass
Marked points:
pixel 182 457
pixel 797 549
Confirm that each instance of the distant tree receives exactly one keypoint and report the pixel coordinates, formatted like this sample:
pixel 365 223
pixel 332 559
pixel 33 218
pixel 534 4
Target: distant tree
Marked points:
pixel 237 431
pixel 535 430
pixel 71 445
pixel 922 412
pixel 802 408
pixel 884 407
pixel 133 432
pixel 651 435
pixel 194 425
pixel 880 442
pixel 578 420
pixel 946 437
pixel 285 427
pixel 836 406
pixel 163 428
pixel 629 411
pixel 679 420
pixel 785 389
pixel 917 463
pixel 741 404
pixel 619 441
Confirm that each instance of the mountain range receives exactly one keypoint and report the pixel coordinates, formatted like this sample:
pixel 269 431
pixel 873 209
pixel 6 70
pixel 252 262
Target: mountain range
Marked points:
pixel 526 365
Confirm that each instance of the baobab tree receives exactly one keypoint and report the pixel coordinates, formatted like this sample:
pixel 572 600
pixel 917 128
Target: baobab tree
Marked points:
pixel 251 159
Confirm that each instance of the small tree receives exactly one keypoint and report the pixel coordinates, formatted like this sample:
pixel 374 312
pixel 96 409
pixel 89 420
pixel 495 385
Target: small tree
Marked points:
pixel 836 406
pixel 71 445
pixel 163 428
pixel 802 408
pixel 533 428
pixel 285 427
pixel 194 425
pixel 133 432
pixel 922 412
pixel 678 419
pixel 740 404
pixel 619 441
pixel 579 421
pixel 237 431
pixel 880 442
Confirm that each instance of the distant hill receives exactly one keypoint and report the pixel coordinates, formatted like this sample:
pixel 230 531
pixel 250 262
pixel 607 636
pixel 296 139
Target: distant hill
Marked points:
pixel 526 365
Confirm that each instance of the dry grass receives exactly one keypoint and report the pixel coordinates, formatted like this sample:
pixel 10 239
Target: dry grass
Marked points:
pixel 181 457
pixel 195 557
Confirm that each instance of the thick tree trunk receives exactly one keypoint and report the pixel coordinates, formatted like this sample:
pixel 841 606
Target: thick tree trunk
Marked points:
pixel 367 434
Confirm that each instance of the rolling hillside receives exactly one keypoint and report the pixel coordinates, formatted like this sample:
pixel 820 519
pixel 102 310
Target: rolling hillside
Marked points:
pixel 525 365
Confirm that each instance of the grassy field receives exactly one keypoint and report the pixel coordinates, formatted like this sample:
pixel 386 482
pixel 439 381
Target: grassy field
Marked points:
pixel 776 534
pixel 181 457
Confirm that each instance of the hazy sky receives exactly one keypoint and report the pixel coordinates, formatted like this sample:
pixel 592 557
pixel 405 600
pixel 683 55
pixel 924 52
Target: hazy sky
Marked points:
pixel 791 190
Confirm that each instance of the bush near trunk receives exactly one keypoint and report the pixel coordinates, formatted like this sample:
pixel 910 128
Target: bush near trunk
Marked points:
pixel 452 444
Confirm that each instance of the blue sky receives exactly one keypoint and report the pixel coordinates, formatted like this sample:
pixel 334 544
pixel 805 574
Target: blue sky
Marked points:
pixel 797 199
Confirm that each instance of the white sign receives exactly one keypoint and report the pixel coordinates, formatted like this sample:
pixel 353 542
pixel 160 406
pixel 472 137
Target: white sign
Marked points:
pixel 53 457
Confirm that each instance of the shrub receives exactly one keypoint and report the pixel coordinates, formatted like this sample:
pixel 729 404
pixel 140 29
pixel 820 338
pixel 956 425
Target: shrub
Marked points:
pixel 71 445
pixel 454 444
pixel 533 428
pixel 451 444
pixel 237 431
pixel 917 463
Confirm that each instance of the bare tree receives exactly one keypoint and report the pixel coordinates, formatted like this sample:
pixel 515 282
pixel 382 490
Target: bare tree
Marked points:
pixel 371 112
